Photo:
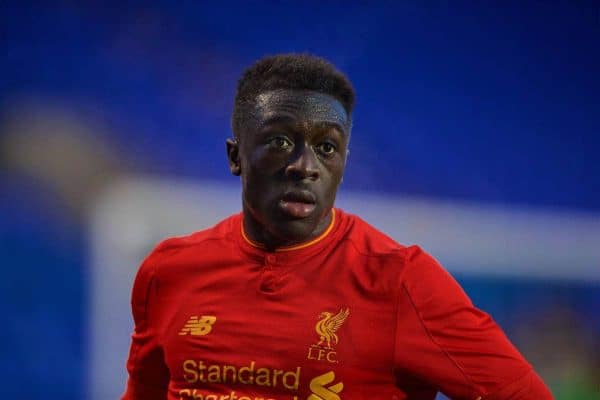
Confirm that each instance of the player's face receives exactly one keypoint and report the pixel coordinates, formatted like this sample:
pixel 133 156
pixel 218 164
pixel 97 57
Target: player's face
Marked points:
pixel 291 157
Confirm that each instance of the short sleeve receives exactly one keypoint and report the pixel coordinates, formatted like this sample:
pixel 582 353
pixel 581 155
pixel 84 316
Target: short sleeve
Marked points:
pixel 444 341
pixel 148 374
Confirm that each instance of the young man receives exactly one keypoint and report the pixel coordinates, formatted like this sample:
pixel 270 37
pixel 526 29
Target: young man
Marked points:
pixel 293 299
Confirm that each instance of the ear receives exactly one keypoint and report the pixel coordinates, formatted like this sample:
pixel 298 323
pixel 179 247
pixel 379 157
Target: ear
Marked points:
pixel 233 156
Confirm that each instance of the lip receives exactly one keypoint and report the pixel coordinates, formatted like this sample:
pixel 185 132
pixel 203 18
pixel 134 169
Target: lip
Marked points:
pixel 299 196
pixel 298 203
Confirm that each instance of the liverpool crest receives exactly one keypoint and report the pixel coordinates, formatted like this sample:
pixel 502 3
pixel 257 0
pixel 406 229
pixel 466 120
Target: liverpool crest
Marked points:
pixel 326 329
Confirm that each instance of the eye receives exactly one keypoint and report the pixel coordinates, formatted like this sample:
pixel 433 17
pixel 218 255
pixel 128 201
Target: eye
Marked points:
pixel 280 142
pixel 326 148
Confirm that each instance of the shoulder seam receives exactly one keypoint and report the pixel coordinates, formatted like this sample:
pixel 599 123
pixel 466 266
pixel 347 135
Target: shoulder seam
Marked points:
pixel 525 375
pixel 165 245
pixel 362 253
pixel 432 339
pixel 163 250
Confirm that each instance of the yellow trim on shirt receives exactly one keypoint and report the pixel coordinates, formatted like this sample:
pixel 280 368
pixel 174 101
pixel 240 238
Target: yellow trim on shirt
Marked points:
pixel 297 246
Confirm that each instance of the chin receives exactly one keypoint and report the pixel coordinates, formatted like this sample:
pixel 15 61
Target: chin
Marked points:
pixel 295 230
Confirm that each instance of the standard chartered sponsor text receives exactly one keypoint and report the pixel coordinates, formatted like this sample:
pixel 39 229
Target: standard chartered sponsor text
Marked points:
pixel 196 371
pixel 195 394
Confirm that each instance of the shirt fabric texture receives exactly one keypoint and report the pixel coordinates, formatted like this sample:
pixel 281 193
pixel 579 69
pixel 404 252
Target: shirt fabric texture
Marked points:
pixel 349 315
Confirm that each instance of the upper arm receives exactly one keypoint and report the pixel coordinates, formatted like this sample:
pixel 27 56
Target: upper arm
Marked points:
pixel 148 374
pixel 443 339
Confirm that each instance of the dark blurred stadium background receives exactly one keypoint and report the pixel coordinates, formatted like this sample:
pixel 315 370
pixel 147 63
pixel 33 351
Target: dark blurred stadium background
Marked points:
pixel 477 135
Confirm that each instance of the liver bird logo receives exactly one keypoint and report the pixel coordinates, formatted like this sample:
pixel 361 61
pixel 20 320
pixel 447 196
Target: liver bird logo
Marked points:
pixel 328 325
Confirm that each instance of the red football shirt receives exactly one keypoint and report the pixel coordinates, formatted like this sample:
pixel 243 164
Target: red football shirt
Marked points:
pixel 349 315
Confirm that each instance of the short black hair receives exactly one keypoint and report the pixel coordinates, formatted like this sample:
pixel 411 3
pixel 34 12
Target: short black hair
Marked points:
pixel 290 71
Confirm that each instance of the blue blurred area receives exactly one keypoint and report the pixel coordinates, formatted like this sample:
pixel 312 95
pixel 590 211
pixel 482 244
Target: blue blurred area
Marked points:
pixel 493 103
pixel 481 102
pixel 41 295
pixel 513 301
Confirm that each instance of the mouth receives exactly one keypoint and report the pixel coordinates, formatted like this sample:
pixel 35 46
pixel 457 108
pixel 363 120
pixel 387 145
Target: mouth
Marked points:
pixel 298 203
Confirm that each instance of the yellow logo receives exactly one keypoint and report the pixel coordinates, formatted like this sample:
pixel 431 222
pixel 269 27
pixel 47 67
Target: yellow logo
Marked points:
pixel 326 328
pixel 320 390
pixel 198 326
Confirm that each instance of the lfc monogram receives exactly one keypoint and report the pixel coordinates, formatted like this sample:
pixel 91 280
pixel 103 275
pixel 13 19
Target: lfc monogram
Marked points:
pixel 326 328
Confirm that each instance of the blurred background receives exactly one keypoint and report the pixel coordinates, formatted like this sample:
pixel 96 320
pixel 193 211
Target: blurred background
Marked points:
pixel 476 135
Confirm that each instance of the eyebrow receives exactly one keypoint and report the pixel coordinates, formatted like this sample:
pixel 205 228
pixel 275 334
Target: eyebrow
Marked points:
pixel 284 119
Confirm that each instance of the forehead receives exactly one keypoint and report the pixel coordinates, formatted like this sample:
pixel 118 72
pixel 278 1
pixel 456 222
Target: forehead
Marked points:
pixel 301 107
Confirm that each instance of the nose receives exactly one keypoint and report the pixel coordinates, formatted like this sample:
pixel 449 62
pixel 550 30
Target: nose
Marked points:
pixel 304 165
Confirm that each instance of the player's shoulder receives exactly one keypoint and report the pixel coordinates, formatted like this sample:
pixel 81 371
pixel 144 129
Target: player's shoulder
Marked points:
pixel 370 241
pixel 367 239
pixel 419 272
pixel 219 231
pixel 168 247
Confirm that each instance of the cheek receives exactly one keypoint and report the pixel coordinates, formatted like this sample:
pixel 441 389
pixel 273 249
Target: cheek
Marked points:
pixel 264 163
pixel 335 169
pixel 260 171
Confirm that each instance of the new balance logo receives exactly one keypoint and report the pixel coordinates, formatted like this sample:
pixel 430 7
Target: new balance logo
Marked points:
pixel 198 326
pixel 320 390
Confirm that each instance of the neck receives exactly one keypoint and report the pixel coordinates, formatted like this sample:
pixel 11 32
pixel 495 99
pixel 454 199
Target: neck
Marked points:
pixel 259 235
